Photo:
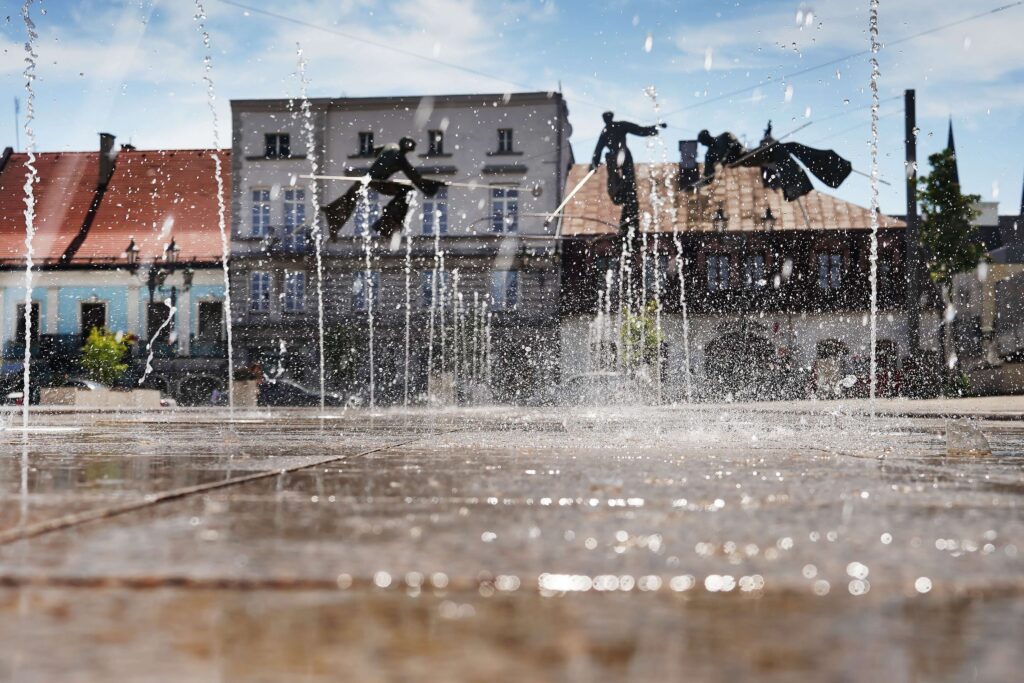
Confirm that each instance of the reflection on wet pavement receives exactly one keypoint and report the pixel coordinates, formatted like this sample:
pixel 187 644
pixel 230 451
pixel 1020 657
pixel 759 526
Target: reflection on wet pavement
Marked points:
pixel 601 545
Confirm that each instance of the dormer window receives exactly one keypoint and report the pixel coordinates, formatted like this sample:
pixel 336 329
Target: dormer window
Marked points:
pixel 505 141
pixel 366 144
pixel 435 142
pixel 277 146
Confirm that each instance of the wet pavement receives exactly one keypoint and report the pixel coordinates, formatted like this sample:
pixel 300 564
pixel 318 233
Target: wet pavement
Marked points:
pixel 721 544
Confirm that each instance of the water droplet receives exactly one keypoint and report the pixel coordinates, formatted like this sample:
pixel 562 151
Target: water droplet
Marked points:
pixel 648 42
pixel 789 92
pixel 923 584
pixel 708 56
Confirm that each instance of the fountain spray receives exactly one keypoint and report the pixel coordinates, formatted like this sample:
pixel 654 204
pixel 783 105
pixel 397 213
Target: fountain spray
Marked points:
pixel 211 98
pixel 31 178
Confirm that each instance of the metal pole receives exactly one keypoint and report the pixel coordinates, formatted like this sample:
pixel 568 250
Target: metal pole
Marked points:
pixel 912 267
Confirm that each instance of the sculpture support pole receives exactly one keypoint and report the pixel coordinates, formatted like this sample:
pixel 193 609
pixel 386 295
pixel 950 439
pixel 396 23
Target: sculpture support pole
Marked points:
pixel 912 236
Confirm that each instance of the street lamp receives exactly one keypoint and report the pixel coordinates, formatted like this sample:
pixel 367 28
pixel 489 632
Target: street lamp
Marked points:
pixel 720 221
pixel 171 254
pixel 768 219
pixel 132 255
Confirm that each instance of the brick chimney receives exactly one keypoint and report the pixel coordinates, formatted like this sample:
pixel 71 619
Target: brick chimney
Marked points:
pixel 688 172
pixel 107 156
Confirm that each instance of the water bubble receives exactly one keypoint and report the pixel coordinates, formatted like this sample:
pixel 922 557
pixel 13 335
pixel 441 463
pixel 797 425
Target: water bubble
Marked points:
pixel 807 113
pixel 821 587
pixel 648 42
pixel 886 538
pixel 382 579
pixel 923 584
pixel 789 92
pixel 708 55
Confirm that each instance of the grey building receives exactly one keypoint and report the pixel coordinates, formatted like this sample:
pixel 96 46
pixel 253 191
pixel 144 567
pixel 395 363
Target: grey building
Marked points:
pixel 476 274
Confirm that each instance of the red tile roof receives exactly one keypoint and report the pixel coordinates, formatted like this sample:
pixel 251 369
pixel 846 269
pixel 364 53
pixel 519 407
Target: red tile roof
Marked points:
pixel 67 182
pixel 738 190
pixel 156 195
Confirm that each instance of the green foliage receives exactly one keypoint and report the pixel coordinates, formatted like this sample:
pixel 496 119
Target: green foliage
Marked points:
pixel 103 356
pixel 946 216
pixel 641 339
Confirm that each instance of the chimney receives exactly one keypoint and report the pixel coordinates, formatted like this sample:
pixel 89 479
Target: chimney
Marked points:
pixel 688 172
pixel 107 156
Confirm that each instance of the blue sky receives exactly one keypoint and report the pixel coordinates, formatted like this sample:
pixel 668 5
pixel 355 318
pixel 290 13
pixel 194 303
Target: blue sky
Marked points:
pixel 134 68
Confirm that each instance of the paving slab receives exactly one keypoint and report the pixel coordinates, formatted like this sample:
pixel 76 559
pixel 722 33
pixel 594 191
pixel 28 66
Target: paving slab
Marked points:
pixel 712 543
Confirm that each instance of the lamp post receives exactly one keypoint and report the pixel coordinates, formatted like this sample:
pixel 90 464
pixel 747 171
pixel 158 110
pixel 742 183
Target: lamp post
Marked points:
pixel 720 221
pixel 156 275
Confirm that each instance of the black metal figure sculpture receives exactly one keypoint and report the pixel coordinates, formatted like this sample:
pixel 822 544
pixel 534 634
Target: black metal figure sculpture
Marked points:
pixel 390 160
pixel 621 173
pixel 777 161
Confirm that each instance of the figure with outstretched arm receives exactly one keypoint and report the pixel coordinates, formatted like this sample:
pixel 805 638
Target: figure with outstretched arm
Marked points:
pixel 621 173
pixel 390 160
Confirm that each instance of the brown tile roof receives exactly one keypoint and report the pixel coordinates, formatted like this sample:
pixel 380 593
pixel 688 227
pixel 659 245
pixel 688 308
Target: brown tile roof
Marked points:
pixel 156 195
pixel 67 182
pixel 737 190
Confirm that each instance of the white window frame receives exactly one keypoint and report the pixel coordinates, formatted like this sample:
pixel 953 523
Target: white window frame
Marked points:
pixel 276 153
pixel 371 203
pixel 830 271
pixel 359 299
pixel 260 285
pixel 260 225
pixel 292 227
pixel 754 271
pixel 504 203
pixel 294 291
pixel 435 213
pixel 506 140
pixel 366 143
pixel 504 290
pixel 719 269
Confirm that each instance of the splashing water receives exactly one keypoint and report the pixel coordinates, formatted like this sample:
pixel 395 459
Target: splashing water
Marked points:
pixel 171 312
pixel 873 277
pixel 368 288
pixel 31 178
pixel 315 229
pixel 211 98
pixel 408 293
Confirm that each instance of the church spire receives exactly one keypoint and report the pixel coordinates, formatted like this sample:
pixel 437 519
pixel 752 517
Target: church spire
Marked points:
pixel 951 146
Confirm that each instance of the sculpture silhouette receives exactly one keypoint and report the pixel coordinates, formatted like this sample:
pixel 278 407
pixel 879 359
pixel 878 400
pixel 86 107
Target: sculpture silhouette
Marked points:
pixel 777 161
pixel 621 173
pixel 390 160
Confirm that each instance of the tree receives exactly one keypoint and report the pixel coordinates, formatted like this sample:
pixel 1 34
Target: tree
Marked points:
pixel 948 236
pixel 946 216
pixel 103 356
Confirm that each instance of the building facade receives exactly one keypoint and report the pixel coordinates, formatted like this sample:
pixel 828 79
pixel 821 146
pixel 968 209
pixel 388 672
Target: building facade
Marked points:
pixel 475 273
pixel 122 238
pixel 776 293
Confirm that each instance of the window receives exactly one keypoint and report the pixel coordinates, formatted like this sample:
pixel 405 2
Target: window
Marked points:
pixel 366 144
pixel 504 290
pixel 367 211
pixel 718 272
pixel 260 213
pixel 504 209
pixel 259 291
pixel 157 313
pixel 753 272
pixel 504 140
pixel 277 146
pixel 427 291
pixel 830 271
pixel 211 321
pixel 435 213
pixel 293 236
pixel 94 316
pixel 294 291
pixel 20 323
pixel 360 290
pixel 435 142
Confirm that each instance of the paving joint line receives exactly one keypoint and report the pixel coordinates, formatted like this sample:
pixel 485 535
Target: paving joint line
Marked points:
pixel 154 499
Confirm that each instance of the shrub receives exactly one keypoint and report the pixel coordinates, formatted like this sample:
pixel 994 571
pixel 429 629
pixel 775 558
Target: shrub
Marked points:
pixel 103 356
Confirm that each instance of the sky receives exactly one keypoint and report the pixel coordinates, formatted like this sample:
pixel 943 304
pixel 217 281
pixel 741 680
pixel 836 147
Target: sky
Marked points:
pixel 135 68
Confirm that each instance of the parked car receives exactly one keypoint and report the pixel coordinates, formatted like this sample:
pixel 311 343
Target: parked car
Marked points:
pixel 286 392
